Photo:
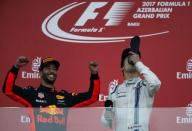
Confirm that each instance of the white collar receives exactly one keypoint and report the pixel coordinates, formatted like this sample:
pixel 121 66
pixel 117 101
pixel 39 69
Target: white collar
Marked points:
pixel 132 81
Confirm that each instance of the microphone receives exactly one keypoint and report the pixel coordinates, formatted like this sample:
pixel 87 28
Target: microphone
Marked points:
pixel 108 105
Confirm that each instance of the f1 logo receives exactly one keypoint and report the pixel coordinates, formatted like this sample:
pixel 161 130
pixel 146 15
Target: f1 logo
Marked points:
pixel 114 16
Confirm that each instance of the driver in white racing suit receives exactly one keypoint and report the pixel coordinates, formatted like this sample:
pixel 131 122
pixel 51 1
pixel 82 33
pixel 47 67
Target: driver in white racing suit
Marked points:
pixel 132 100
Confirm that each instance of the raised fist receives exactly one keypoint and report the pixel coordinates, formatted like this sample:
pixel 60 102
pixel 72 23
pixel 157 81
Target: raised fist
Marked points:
pixel 21 61
pixel 93 66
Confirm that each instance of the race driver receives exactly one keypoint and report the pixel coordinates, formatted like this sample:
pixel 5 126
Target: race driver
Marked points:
pixel 131 102
pixel 49 114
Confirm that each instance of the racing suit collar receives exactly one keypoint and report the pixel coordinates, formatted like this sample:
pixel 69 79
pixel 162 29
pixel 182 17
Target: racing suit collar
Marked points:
pixel 131 81
pixel 45 89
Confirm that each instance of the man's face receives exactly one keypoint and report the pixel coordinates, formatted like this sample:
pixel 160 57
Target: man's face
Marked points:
pixel 49 73
pixel 128 67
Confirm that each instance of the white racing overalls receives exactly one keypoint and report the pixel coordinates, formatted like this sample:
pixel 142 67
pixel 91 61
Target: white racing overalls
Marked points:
pixel 132 101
